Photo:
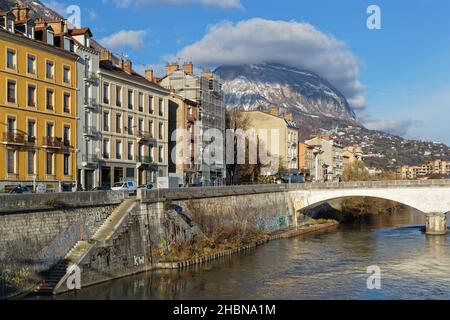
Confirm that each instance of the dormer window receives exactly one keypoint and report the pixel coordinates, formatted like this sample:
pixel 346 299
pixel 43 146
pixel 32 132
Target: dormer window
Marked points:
pixel 50 38
pixel 67 44
pixel 30 32
pixel 11 26
pixel 3 22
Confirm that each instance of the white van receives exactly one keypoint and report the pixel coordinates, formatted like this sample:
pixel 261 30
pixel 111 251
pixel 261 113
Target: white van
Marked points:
pixel 130 186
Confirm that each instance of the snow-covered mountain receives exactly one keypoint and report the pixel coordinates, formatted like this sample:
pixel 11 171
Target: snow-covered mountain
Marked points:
pixel 37 8
pixel 258 86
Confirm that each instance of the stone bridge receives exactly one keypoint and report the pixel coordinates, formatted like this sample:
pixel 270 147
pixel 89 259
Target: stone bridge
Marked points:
pixel 432 197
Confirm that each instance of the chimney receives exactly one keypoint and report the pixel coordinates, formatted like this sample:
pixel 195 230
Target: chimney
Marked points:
pixel 274 111
pixel 188 68
pixel 106 57
pixel 127 66
pixel 171 68
pixel 149 75
pixel 289 116
pixel 21 13
pixel 58 26
pixel 207 74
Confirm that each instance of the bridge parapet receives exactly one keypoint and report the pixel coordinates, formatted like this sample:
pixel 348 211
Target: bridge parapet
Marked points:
pixel 371 184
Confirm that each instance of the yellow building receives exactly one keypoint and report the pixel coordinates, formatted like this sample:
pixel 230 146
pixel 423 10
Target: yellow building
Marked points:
pixel 37 104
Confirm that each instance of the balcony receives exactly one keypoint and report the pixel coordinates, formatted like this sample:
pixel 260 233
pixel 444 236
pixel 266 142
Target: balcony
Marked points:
pixel 145 159
pixel 90 103
pixel 89 159
pixel 146 162
pixel 144 136
pixel 90 76
pixel 55 143
pixel 90 131
pixel 14 138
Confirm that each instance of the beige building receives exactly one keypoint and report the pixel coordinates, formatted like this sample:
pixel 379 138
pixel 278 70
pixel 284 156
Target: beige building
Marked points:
pixel 352 154
pixel 134 123
pixel 288 135
pixel 436 167
pixel 329 164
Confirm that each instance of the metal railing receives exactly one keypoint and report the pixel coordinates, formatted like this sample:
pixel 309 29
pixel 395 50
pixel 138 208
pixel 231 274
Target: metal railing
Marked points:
pixel 89 158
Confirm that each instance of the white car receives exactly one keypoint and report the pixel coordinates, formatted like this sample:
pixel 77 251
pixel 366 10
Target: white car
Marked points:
pixel 130 186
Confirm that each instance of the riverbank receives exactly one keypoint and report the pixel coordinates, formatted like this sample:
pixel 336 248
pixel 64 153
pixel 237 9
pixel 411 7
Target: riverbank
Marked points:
pixel 317 225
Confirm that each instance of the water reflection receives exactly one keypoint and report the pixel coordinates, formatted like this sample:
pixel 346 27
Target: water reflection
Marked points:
pixel 326 265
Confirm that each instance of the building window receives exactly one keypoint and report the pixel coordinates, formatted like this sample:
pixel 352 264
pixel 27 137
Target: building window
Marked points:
pixel 31 64
pixel 118 149
pixel 118 96
pixel 49 131
pixel 11 91
pixel 49 163
pixel 49 70
pixel 106 149
pixel 31 161
pixel 66 102
pixel 31 99
pixel 118 123
pixel 11 122
pixel 106 121
pixel 150 127
pixel 161 130
pixel 161 154
pixel 130 126
pixel 66 164
pixel 31 131
pixel 141 102
pixel 11 59
pixel 130 151
pixel 50 99
pixel 130 99
pixel 161 107
pixel 151 151
pixel 150 105
pixel 11 161
pixel 140 125
pixel 66 136
pixel 11 26
pixel 66 74
pixel 106 93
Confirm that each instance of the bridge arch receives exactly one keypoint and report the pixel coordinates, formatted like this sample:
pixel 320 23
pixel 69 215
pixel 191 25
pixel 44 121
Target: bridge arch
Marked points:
pixel 433 200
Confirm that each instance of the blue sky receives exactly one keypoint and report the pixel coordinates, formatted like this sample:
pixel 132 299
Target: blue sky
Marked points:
pixel 402 70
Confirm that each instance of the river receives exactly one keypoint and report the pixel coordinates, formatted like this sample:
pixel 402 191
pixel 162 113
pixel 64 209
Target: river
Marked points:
pixel 330 264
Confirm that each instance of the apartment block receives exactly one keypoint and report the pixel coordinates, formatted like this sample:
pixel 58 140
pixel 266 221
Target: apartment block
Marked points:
pixel 288 136
pixel 133 123
pixel 436 167
pixel 89 137
pixel 183 115
pixel 330 159
pixel 38 106
pixel 206 90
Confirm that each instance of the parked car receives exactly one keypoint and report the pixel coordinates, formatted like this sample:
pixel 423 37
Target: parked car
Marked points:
pixel 102 188
pixel 21 190
pixel 148 186
pixel 130 186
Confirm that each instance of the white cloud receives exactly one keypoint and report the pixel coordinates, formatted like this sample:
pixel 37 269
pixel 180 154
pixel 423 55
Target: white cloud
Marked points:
pixel 221 4
pixel 288 42
pixel 134 39
pixel 398 127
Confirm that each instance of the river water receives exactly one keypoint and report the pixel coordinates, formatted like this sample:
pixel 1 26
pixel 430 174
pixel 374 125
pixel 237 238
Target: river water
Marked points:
pixel 330 264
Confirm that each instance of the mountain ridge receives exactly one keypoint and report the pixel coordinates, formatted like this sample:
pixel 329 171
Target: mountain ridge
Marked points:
pixel 258 86
pixel 37 8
